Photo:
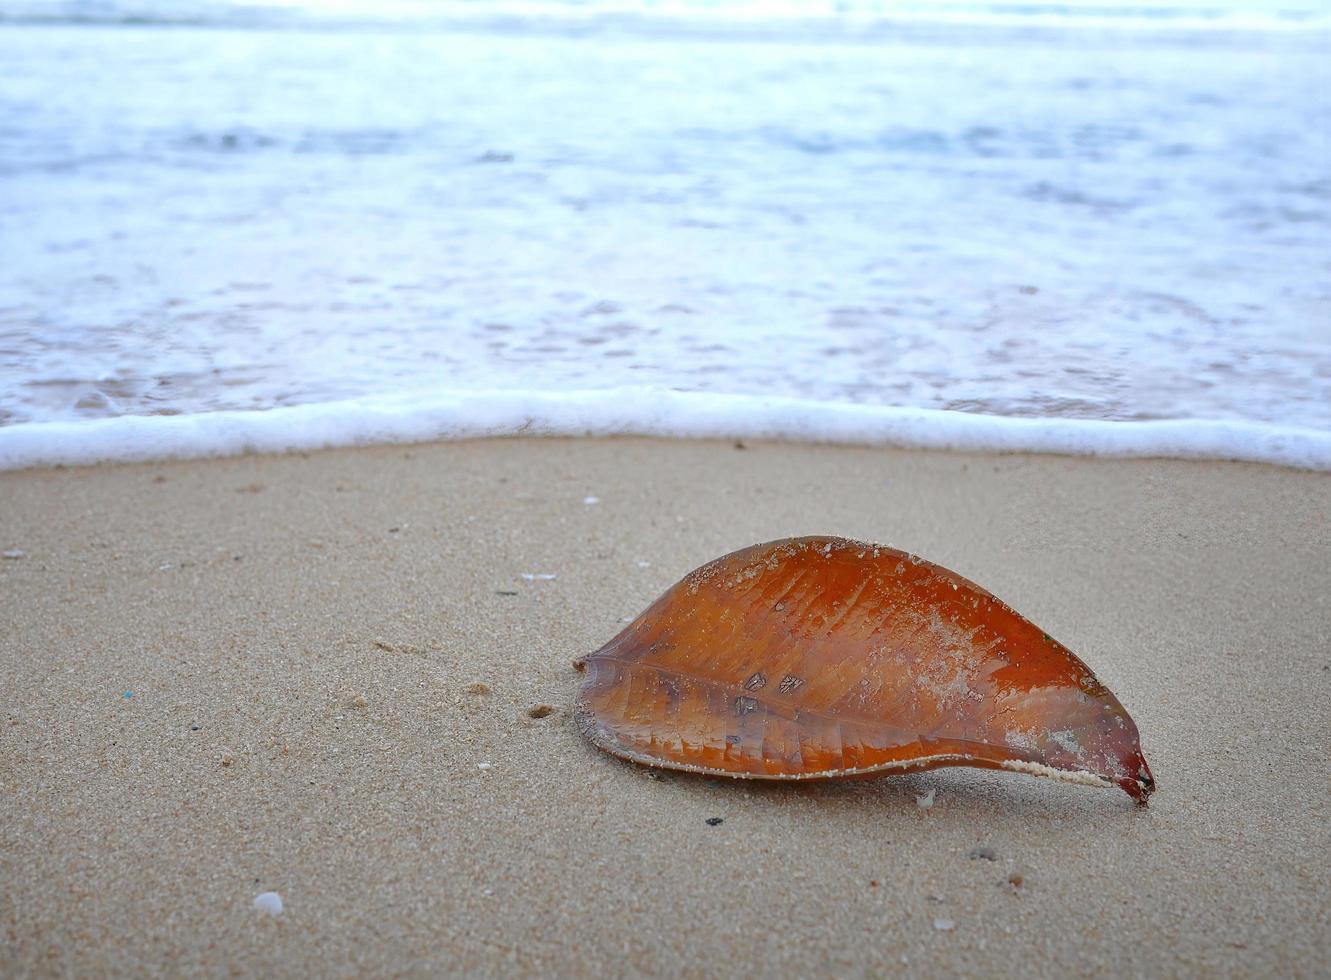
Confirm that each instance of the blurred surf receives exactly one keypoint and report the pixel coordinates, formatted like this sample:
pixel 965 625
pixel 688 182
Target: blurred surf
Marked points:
pixel 1071 225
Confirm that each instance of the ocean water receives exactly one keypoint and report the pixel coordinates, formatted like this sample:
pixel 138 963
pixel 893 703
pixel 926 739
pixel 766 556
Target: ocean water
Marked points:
pixel 1075 227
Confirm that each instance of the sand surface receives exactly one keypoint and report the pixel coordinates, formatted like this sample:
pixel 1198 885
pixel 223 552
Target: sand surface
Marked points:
pixel 229 677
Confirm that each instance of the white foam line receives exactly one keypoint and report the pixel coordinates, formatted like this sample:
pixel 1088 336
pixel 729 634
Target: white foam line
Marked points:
pixel 640 411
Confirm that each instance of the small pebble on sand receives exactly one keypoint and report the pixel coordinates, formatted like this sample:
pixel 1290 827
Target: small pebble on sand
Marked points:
pixel 478 688
pixel 591 500
pixel 484 766
pixel 944 925
pixel 540 711
pixel 715 821
pixel 14 554
pixel 269 902
pixel 925 800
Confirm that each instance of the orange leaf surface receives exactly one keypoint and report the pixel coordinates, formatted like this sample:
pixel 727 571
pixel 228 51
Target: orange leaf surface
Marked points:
pixel 822 658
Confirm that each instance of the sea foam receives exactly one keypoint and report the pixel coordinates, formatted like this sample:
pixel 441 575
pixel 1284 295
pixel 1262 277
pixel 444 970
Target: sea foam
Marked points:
pixel 640 411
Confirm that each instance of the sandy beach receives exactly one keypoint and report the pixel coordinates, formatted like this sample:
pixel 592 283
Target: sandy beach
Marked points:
pixel 315 674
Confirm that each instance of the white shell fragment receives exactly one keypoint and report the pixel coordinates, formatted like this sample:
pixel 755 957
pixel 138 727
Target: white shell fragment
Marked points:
pixel 269 902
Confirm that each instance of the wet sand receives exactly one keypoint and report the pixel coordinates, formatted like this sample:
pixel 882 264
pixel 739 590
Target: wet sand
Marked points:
pixel 287 673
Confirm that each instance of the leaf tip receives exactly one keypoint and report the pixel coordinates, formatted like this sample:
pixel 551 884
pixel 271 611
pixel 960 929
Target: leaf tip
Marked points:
pixel 1140 786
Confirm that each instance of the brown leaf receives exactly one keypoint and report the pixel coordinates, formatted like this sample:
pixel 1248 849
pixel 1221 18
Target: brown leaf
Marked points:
pixel 822 658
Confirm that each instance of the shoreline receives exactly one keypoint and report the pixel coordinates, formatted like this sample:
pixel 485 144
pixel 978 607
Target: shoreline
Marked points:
pixel 320 674
pixel 649 412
